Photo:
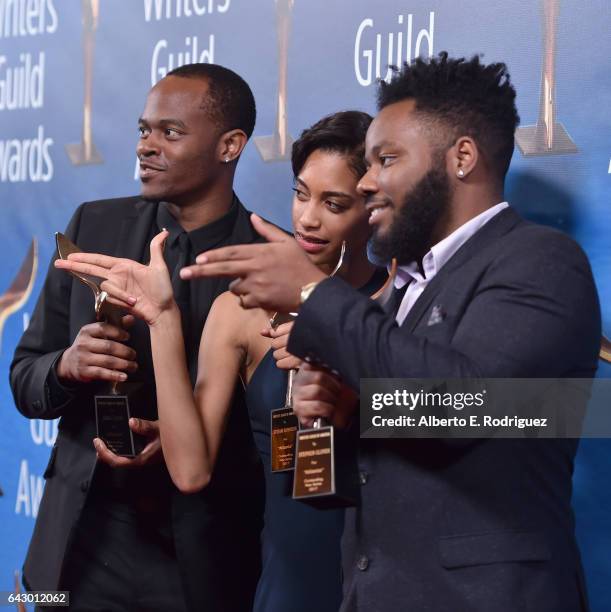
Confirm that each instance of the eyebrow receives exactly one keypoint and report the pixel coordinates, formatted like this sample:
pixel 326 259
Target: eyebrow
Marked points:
pixel 165 122
pixel 326 194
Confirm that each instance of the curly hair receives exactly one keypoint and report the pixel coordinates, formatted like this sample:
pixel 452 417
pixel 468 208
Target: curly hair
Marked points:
pixel 463 98
pixel 229 102
pixel 343 132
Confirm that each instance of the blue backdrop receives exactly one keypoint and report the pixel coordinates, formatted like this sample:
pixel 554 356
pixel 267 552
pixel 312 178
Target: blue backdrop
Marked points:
pixel 78 73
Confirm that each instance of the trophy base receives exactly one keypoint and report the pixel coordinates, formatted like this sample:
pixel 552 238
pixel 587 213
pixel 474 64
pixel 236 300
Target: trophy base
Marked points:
pixel 323 478
pixel 112 424
pixel 284 427
pixel 532 142
pixel 78 154
pixel 270 150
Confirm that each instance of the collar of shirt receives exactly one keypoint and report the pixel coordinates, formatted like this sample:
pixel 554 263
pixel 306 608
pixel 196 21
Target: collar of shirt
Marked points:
pixel 440 253
pixel 203 238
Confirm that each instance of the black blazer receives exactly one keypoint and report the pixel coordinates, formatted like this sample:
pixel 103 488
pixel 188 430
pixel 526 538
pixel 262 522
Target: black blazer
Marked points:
pixel 478 526
pixel 216 532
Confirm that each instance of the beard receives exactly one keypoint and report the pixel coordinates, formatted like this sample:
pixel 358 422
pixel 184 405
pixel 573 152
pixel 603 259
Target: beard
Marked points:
pixel 410 234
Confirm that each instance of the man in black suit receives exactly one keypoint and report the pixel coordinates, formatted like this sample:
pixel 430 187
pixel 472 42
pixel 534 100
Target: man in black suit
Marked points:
pixel 115 531
pixel 457 525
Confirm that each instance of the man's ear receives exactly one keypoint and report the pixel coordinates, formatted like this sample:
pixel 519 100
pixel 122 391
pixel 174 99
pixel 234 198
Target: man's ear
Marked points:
pixel 231 145
pixel 463 157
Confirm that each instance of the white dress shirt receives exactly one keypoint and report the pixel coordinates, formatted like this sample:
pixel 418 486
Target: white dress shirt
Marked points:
pixel 436 258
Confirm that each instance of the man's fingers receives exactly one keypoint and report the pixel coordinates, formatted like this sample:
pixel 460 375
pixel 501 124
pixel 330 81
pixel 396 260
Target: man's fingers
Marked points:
pixel 127 321
pixel 288 363
pixel 90 373
pixel 110 362
pixel 150 429
pixel 269 231
pixel 107 456
pixel 308 411
pixel 223 268
pixel 316 393
pixel 105 331
pixel 284 329
pixel 110 348
pixel 238 252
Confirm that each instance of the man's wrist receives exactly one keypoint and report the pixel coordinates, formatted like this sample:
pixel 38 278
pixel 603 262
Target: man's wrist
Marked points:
pixel 308 288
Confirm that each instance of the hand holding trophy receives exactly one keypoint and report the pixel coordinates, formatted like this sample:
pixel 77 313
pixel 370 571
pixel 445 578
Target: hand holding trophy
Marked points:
pixel 115 283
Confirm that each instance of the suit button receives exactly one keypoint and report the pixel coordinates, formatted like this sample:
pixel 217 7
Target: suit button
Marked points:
pixel 84 486
pixel 363 477
pixel 362 563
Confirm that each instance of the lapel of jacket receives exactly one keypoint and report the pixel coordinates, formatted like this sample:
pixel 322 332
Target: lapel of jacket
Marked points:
pixel 499 225
pixel 135 231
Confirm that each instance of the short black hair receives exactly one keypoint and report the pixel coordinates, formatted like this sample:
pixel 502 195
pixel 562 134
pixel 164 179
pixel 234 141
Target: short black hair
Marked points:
pixel 343 132
pixel 466 96
pixel 229 102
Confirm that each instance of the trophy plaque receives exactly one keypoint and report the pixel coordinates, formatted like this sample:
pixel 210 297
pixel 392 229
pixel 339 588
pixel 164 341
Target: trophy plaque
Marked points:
pixel 548 136
pixel 326 474
pixel 111 408
pixel 326 471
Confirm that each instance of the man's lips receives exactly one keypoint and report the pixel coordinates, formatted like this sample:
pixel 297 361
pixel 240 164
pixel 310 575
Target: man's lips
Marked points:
pixel 376 209
pixel 310 243
pixel 147 170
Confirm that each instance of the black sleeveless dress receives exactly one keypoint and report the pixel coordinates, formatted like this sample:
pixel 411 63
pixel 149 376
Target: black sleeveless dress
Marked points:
pixel 300 547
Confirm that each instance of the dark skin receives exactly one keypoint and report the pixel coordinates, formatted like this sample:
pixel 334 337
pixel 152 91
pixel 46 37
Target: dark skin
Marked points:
pixel 400 149
pixel 189 162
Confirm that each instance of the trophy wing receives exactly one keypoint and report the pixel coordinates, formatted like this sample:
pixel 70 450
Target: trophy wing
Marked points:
pixel 20 289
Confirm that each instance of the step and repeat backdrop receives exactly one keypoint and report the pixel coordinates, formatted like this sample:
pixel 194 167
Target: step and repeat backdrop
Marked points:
pixel 73 79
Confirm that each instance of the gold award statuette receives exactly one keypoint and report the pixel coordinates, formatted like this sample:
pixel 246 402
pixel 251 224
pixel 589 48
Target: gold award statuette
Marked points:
pixel 277 147
pixel 85 152
pixel 547 136
pixel 112 408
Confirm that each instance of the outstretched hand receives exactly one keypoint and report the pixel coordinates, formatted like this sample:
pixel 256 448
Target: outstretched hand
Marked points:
pixel 267 275
pixel 144 291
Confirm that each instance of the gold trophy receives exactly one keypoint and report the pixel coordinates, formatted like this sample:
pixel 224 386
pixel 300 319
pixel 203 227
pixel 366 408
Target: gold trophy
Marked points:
pixel 548 136
pixel 326 474
pixel 111 409
pixel 85 152
pixel 20 289
pixel 277 147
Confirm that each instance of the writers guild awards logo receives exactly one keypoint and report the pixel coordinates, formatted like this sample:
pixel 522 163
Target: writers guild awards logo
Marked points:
pixel 277 147
pixel 85 152
pixel 548 136
pixel 21 287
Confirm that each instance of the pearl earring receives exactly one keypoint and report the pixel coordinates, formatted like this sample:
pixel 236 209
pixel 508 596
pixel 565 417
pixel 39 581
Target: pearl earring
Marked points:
pixel 460 173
